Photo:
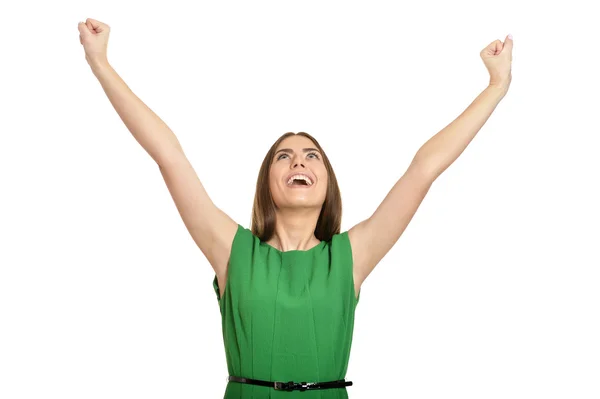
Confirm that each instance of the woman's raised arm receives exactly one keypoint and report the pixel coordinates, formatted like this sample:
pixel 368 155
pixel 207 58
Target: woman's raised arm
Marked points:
pixel 211 229
pixel 145 126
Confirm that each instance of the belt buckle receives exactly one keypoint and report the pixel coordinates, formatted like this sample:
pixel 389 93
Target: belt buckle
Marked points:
pixel 303 386
pixel 284 386
pixel 290 386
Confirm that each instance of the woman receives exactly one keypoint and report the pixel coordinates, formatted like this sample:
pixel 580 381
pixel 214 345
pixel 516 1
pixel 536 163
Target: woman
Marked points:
pixel 287 288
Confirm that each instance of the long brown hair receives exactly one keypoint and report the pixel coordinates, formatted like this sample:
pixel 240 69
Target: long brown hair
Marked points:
pixel 263 210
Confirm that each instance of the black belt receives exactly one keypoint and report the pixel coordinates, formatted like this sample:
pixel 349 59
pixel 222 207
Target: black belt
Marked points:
pixel 290 385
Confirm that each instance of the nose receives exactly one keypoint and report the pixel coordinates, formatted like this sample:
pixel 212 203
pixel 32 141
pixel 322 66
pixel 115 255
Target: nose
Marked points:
pixel 298 166
pixel 297 162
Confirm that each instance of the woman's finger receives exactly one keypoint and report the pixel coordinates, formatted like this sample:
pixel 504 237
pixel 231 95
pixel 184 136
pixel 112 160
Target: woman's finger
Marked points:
pixel 96 25
pixel 83 29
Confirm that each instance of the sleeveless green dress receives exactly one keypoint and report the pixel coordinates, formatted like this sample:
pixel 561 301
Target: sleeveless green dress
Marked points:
pixel 287 316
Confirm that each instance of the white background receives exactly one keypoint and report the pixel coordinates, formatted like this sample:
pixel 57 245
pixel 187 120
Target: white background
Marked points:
pixel 491 292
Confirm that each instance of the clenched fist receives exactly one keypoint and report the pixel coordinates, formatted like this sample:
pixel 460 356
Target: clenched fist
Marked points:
pixel 497 57
pixel 93 35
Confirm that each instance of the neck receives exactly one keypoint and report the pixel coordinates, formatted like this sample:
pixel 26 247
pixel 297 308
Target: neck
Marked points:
pixel 295 230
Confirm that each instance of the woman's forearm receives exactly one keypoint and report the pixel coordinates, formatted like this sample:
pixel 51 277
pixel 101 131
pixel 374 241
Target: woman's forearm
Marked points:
pixel 146 127
pixel 440 151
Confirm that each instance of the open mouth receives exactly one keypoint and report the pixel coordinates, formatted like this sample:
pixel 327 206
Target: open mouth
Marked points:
pixel 299 181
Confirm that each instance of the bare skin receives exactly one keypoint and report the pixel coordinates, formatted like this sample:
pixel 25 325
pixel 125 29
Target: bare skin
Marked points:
pixel 298 207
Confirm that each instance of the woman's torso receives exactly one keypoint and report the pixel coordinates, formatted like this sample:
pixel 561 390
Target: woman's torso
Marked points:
pixel 287 316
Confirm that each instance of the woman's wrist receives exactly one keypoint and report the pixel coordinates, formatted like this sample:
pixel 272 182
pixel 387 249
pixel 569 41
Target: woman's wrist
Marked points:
pixel 98 64
pixel 501 87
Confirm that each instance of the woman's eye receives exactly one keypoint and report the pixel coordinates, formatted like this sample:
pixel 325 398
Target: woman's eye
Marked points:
pixel 285 155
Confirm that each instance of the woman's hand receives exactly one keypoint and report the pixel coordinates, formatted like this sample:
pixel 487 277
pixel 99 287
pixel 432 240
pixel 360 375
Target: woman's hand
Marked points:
pixel 497 57
pixel 93 35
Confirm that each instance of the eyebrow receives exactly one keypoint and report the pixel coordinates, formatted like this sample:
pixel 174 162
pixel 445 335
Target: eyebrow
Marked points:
pixel 290 151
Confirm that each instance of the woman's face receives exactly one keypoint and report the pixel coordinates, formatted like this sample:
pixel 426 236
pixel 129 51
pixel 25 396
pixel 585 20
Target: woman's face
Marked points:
pixel 298 155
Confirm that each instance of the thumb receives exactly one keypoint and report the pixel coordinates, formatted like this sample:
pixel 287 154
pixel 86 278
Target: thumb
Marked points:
pixel 83 29
pixel 508 44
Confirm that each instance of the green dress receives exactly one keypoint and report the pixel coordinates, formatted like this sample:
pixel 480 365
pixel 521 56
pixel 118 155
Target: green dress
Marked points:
pixel 287 316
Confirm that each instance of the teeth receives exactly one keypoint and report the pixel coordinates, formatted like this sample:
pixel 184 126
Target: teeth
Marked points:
pixel 302 177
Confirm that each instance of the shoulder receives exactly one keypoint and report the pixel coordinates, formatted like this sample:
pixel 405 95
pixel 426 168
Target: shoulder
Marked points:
pixel 340 245
pixel 244 239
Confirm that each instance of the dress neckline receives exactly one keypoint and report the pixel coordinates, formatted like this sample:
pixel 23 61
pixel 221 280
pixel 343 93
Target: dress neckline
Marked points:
pixel 295 251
